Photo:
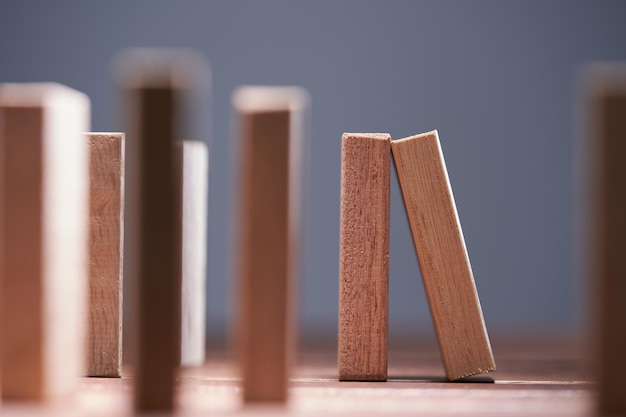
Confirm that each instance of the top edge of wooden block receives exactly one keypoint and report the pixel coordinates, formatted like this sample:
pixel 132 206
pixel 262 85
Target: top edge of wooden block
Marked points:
pixel 425 135
pixel 604 78
pixel 106 134
pixel 179 68
pixel 265 99
pixel 40 94
pixel 377 136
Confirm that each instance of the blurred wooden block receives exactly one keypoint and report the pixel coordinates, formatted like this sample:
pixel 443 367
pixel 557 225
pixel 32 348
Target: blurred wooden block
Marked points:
pixel 608 218
pixel 194 182
pixel 364 257
pixel 45 208
pixel 106 237
pixel 267 241
pixel 443 258
pixel 153 94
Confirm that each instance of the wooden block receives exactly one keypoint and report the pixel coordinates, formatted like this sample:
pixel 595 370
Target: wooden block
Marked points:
pixel 106 245
pixel 608 220
pixel 267 243
pixel 194 182
pixel 44 217
pixel 155 214
pixel 364 257
pixel 442 254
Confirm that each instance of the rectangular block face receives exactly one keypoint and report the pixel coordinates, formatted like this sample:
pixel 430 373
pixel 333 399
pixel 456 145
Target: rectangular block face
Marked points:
pixel 194 182
pixel 106 236
pixel 364 257
pixel 443 258
pixel 159 243
pixel 44 242
pixel 609 221
pixel 264 255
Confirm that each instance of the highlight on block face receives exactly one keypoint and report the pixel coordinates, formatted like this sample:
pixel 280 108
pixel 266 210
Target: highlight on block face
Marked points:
pixel 194 176
pixel 442 255
pixel 364 256
pixel 106 245
pixel 269 135
pixel 45 213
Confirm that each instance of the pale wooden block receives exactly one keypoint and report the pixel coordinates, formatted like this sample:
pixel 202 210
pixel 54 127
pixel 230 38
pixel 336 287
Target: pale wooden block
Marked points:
pixel 442 254
pixel 608 220
pixel 45 219
pixel 270 135
pixel 106 244
pixel 364 257
pixel 194 183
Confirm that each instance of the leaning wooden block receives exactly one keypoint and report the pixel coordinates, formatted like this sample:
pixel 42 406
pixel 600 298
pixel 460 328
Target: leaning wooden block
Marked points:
pixel 106 244
pixel 608 220
pixel 44 217
pixel 442 254
pixel 194 175
pixel 269 140
pixel 364 257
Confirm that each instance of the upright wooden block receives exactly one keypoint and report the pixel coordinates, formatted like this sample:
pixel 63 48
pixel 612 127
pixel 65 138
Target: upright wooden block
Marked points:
pixel 194 177
pixel 442 254
pixel 364 257
pixel 608 220
pixel 44 217
pixel 106 237
pixel 267 243
pixel 154 96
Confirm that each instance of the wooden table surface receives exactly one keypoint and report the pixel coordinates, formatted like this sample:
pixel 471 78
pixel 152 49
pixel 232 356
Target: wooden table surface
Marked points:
pixel 546 379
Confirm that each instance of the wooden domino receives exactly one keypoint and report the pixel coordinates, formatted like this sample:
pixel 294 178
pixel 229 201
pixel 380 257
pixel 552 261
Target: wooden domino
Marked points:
pixel 106 246
pixel 44 218
pixel 442 254
pixel 194 174
pixel 269 138
pixel 364 257
pixel 608 221
pixel 153 95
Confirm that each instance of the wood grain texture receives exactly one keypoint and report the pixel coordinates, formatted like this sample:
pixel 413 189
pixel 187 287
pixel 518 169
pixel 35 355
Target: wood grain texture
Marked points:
pixel 44 239
pixel 194 177
pixel 364 257
pixel 263 254
pixel 443 257
pixel 608 220
pixel 106 245
pixel 158 243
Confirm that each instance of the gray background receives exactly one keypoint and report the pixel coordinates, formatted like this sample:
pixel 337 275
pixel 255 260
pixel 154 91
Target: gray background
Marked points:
pixel 498 79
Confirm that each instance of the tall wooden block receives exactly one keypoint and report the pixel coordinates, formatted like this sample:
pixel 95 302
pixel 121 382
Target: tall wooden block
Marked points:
pixel 194 177
pixel 159 85
pixel 44 215
pixel 106 244
pixel 442 254
pixel 364 257
pixel 608 220
pixel 156 224
pixel 269 136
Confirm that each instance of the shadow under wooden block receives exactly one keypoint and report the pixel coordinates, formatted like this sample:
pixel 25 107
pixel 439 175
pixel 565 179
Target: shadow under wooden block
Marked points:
pixel 443 259
pixel 44 212
pixel 106 236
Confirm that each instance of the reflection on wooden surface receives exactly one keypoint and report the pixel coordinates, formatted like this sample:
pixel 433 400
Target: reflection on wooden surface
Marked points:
pixel 532 379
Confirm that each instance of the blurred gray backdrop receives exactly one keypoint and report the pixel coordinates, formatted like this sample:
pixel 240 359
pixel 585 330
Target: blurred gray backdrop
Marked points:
pixel 496 78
